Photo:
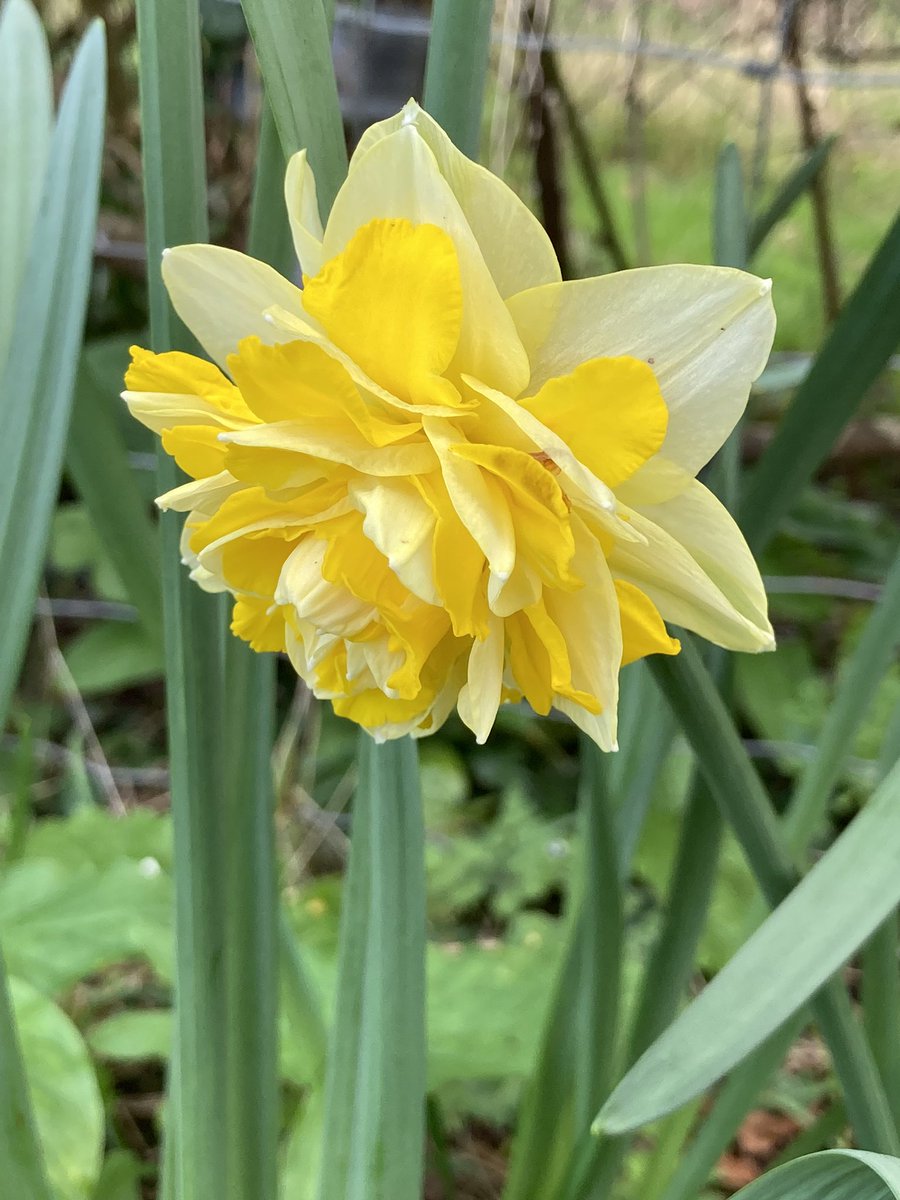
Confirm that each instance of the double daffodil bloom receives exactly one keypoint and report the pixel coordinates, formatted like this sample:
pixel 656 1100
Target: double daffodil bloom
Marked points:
pixel 437 476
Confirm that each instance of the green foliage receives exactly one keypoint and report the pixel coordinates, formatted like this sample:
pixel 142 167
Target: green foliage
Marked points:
pixel 68 1109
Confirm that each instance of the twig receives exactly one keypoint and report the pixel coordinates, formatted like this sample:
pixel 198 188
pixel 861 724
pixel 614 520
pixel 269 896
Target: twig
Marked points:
pixel 542 102
pixel 637 150
pixel 55 755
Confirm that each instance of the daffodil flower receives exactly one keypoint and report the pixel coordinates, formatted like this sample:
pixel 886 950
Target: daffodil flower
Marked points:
pixel 436 475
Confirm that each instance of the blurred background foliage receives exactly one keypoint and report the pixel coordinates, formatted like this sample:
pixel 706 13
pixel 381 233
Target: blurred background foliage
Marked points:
pixel 607 117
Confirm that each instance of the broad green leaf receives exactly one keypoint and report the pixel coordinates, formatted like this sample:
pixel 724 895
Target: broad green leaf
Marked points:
pixel 94 836
pixel 68 1108
pixel 801 945
pixel 294 51
pixel 119 1178
pixel 59 925
pixel 830 1175
pixel 861 342
pixel 111 655
pixel 37 382
pixel 24 1167
pixel 133 1034
pixel 375 1089
pixel 790 191
pixel 26 121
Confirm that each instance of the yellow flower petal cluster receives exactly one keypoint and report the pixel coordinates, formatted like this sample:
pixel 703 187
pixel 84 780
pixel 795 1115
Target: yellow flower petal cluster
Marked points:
pixel 437 476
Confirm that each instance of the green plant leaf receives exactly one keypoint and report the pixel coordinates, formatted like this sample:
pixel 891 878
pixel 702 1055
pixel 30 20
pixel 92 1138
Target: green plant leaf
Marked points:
pixel 119 1178
pixel 112 655
pixel 790 191
pixel 774 974
pixel 375 1090
pixel 133 1034
pixel 832 1174
pixel 37 380
pixel 294 50
pixel 729 216
pixel 859 345
pixel 68 1109
pixel 97 461
pixel 26 121
pixel 456 70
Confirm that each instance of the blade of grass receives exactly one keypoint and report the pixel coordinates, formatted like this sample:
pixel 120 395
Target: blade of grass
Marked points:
pixel 26 123
pixel 294 51
pixel 740 795
pixel 97 463
pixel 20 1151
pixel 859 345
pixel 175 202
pixel 456 69
pixel 375 1093
pixel 38 380
pixel 836 1174
pixel 791 190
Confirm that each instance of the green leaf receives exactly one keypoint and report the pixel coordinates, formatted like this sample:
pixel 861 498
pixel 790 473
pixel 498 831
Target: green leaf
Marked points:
pixel 26 121
pixel 24 1170
pixel 59 925
pixel 68 1108
pixel 863 338
pixel 112 655
pixel 830 1175
pixel 456 70
pixel 802 944
pixel 790 191
pixel 375 1091
pixel 294 50
pixel 97 461
pixel 729 216
pixel 133 1035
pixel 120 1177
pixel 37 380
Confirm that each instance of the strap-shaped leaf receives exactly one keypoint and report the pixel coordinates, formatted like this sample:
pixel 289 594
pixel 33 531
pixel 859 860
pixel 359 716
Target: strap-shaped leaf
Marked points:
pixel 773 975
pixel 37 382
pixel 830 1175
pixel 26 122
pixel 790 191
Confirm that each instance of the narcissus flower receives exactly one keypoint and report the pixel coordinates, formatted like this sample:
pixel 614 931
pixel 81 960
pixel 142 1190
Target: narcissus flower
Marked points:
pixel 437 476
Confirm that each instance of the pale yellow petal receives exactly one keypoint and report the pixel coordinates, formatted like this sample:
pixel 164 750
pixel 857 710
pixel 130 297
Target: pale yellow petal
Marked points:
pixel 517 251
pixel 303 213
pixel 683 591
pixel 222 296
pixel 479 699
pixel 203 494
pixel 705 528
pixel 335 442
pixel 399 177
pixel 324 605
pixel 705 331
pixel 398 520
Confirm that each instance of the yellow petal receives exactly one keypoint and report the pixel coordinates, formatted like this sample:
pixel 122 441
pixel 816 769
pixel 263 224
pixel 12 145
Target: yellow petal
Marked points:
pixel 222 296
pixel 323 604
pixel 399 177
pixel 477 498
pixel 196 449
pixel 399 521
pixel 181 389
pixel 643 631
pixel 609 411
pixel 335 441
pixel 582 487
pixel 682 591
pixel 303 213
pixel 705 331
pixel 480 698
pixel 708 532
pixel 458 563
pixel 538 508
pixel 515 247
pixel 259 623
pixel 392 301
pixel 203 494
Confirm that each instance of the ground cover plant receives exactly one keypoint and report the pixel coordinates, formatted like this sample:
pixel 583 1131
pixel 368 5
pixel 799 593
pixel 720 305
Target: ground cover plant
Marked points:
pixel 248 950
